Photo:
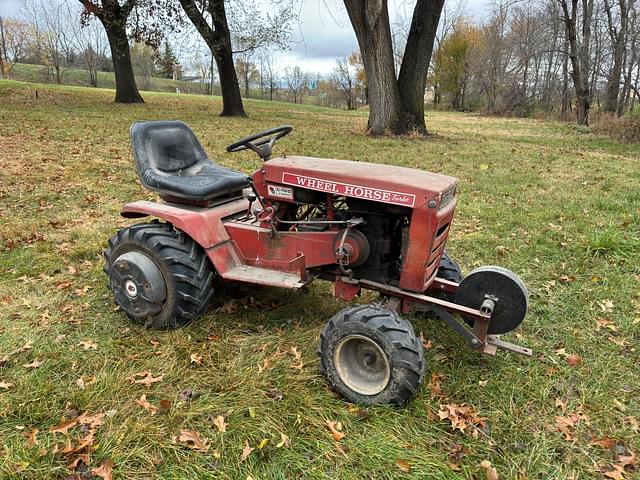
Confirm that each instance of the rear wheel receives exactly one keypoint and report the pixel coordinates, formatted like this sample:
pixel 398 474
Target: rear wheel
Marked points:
pixel 158 275
pixel 370 355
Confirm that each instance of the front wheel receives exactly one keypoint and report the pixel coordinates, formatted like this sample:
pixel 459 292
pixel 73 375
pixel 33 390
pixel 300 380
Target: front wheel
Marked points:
pixel 370 355
pixel 158 275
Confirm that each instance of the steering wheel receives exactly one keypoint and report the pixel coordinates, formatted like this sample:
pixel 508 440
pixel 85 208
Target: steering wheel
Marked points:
pixel 264 144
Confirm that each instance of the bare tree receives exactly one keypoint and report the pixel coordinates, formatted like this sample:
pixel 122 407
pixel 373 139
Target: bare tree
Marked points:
pixel 14 43
pixel 577 21
pixel 344 78
pixel 269 75
pixel 91 43
pixel 618 35
pixel 296 82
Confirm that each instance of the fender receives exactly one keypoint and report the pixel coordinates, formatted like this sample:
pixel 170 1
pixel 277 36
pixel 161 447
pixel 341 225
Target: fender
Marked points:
pixel 203 225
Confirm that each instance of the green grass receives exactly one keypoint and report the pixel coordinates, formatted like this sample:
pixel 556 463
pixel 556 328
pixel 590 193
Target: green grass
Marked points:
pixel 558 206
pixel 79 77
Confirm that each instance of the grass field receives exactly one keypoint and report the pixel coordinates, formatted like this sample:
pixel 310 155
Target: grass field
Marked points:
pixel 559 206
pixel 77 77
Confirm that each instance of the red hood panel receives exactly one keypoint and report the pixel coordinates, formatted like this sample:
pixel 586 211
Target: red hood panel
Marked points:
pixel 379 182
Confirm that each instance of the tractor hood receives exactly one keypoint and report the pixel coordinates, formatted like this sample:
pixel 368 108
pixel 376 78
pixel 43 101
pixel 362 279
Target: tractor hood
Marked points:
pixel 372 181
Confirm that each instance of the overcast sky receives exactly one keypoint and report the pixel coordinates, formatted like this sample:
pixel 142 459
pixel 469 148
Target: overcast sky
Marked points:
pixel 324 32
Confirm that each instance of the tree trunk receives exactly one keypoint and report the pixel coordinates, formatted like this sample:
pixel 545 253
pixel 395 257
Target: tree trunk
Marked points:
pixel 114 17
pixel 126 88
pixel 415 64
pixel 395 106
pixel 618 43
pixel 370 20
pixel 3 49
pixel 579 55
pixel 218 39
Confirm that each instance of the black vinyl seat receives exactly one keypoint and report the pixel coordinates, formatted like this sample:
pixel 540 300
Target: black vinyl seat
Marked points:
pixel 170 160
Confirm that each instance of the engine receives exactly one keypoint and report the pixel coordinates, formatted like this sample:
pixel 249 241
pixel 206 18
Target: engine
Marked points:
pixel 371 248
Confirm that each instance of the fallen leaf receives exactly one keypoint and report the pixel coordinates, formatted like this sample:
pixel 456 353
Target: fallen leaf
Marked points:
pixel 105 469
pixel 299 365
pixel 616 472
pixel 461 416
pixel 246 451
pixel 188 394
pixel 191 439
pixel 435 387
pixel 561 405
pixel 403 465
pixel 490 471
pixel 35 364
pixel 32 437
pixel 574 360
pixel 604 442
pixel 147 378
pixel 220 424
pixel 265 364
pixel 606 306
pixel 263 443
pixel 196 359
pixel 64 426
pixel 144 403
pixel 88 345
pixel 629 460
pixel 284 441
pixel 5 385
pixel 565 425
pixel 605 323
pixel 335 428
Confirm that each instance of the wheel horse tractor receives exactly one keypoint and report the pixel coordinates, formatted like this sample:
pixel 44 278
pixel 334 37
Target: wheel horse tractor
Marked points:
pixel 359 225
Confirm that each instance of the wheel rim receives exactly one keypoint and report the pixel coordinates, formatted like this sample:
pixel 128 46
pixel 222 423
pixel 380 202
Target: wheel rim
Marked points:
pixel 362 365
pixel 138 284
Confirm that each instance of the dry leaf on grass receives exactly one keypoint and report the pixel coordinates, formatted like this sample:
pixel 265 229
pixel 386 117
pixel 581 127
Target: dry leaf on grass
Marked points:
pixel 299 365
pixel 32 437
pixel 191 439
pixel 220 424
pixel 490 471
pixel 435 387
pixel 604 442
pixel 566 425
pixel 462 417
pixel 64 426
pixel 265 364
pixel 616 472
pixel 606 306
pixel 144 403
pixel 105 470
pixel 35 364
pixel 146 379
pixel 246 451
pixel 403 465
pixel 5 385
pixel 88 345
pixel 574 360
pixel 335 428
pixel 284 441
pixel 196 359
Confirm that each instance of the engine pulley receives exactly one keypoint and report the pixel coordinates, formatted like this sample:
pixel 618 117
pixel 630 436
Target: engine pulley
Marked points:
pixel 351 247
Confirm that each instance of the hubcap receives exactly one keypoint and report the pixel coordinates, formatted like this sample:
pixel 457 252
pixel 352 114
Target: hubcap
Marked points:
pixel 131 289
pixel 362 365
pixel 138 284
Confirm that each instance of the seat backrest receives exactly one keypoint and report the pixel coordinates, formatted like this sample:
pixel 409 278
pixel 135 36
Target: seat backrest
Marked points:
pixel 168 146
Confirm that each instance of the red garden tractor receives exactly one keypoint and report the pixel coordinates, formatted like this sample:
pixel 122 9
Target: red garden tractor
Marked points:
pixel 359 225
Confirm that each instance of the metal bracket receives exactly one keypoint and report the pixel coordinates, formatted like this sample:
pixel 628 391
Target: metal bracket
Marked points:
pixel 473 341
pixel 494 342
